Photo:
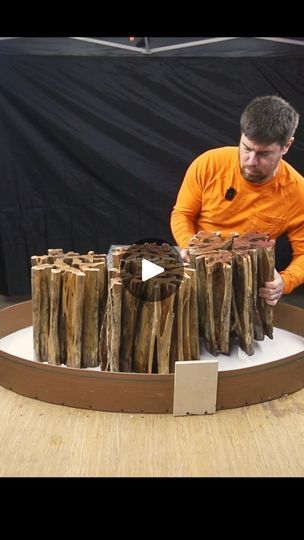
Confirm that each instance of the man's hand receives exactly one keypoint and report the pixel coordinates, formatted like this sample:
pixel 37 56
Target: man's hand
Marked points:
pixel 185 255
pixel 272 290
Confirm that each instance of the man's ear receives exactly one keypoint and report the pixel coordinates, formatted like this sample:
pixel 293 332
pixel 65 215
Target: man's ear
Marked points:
pixel 287 145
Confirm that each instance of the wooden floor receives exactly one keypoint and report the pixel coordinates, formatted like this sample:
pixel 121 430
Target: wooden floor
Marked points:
pixel 43 440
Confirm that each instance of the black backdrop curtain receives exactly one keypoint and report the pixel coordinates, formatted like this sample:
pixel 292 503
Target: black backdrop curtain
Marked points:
pixel 93 149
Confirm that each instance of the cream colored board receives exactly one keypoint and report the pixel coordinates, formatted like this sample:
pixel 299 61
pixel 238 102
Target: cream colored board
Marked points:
pixel 195 387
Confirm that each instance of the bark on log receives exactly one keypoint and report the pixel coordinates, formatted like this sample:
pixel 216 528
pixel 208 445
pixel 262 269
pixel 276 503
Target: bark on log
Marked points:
pixel 55 300
pixel 40 283
pixel 103 344
pixel 146 333
pixel 165 318
pixel 242 301
pixel 257 321
pixel 113 327
pixel 186 319
pixel 129 315
pixel 74 318
pixel 193 316
pixel 181 300
pixel 218 304
pixel 90 330
pixel 266 265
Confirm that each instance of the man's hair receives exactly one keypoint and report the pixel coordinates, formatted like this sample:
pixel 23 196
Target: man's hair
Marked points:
pixel 269 119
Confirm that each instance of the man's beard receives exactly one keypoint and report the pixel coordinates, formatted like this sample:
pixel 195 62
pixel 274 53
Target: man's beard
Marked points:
pixel 253 175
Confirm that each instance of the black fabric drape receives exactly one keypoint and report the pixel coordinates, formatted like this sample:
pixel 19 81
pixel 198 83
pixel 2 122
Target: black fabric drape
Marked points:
pixel 93 149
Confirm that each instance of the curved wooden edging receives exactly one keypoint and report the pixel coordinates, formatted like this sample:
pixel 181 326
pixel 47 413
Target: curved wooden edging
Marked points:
pixel 135 392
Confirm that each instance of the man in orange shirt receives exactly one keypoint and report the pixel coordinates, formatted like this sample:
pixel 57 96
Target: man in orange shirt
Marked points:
pixel 249 188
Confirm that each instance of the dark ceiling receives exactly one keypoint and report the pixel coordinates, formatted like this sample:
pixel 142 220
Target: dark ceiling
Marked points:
pixel 151 46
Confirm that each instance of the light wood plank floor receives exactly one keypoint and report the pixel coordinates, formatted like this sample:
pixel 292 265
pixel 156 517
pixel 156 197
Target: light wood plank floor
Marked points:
pixel 42 440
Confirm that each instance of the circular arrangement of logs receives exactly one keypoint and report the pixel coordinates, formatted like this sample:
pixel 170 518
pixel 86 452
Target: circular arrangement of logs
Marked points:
pixel 95 310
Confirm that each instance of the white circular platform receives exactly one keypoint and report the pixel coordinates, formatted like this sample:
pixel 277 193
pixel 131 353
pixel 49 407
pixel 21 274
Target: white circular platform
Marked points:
pixel 283 344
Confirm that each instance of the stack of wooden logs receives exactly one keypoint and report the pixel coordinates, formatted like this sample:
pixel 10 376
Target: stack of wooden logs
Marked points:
pixel 85 316
pixel 69 293
pixel 229 273
pixel 149 325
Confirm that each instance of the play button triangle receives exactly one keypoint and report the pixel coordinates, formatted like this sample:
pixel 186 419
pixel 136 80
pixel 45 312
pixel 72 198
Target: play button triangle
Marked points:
pixel 149 269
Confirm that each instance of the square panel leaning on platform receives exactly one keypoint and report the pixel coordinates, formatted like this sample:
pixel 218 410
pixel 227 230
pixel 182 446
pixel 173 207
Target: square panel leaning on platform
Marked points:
pixel 249 188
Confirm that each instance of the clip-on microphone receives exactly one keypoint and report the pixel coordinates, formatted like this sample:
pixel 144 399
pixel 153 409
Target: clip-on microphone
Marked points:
pixel 230 193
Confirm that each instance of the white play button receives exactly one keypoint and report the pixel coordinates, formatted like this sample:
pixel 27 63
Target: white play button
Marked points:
pixel 149 269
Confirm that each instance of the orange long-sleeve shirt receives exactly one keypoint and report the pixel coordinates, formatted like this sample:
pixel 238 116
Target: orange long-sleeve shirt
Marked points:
pixel 276 206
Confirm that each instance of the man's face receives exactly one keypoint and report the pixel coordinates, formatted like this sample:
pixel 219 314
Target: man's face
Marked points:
pixel 259 162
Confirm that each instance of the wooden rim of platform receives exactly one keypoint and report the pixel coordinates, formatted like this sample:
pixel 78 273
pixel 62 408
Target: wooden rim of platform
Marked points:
pixel 144 393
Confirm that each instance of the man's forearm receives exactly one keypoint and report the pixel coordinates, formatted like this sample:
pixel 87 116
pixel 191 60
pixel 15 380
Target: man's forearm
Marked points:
pixel 182 227
pixel 293 275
